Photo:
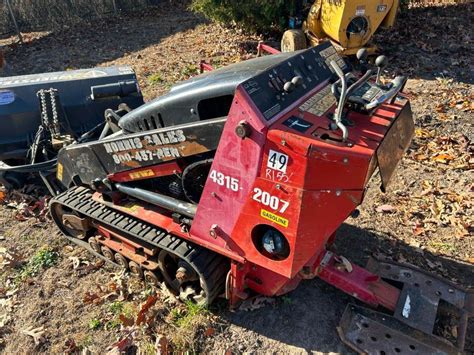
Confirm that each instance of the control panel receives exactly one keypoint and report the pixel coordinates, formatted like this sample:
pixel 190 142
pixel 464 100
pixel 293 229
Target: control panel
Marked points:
pixel 368 92
pixel 277 88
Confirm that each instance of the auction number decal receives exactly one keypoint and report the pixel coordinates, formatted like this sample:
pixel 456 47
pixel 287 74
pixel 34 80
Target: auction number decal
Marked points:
pixel 269 200
pixel 277 161
pixel 225 180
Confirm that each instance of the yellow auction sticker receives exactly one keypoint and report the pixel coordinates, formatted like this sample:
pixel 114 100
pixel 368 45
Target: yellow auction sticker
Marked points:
pixel 59 172
pixel 141 174
pixel 274 218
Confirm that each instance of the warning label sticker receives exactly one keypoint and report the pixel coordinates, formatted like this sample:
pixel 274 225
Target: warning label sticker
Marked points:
pixel 59 172
pixel 141 174
pixel 274 218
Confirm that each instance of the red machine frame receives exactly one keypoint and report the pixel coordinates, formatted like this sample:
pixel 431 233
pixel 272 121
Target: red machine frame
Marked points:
pixel 339 195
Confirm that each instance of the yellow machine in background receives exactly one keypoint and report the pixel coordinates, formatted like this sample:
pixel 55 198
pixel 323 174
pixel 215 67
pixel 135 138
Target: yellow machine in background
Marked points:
pixel 349 24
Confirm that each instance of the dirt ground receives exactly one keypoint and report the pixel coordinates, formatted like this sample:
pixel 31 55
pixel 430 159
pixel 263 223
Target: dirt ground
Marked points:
pixel 57 298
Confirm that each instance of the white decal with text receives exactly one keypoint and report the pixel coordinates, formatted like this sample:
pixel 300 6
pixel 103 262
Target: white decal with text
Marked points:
pixel 135 149
pixel 267 199
pixel 224 180
pixel 277 161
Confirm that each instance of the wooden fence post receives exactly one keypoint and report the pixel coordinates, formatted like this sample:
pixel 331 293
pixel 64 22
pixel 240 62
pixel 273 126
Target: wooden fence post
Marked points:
pixel 10 9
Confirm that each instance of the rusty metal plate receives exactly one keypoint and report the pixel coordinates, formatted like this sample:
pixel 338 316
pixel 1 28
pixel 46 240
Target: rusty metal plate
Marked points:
pixel 421 296
pixel 396 142
pixel 433 286
pixel 371 332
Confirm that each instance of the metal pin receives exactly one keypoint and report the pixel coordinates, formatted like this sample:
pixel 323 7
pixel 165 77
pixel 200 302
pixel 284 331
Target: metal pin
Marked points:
pixel 213 231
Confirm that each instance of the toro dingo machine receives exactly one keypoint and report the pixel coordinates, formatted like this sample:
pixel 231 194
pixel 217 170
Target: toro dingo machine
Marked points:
pixel 235 182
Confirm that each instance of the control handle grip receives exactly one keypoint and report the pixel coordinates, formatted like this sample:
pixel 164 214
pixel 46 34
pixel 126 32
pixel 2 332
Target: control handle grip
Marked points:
pixel 397 85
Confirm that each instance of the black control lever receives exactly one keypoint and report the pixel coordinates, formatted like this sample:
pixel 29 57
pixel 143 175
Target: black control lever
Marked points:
pixel 361 56
pixel 380 62
pixel 296 81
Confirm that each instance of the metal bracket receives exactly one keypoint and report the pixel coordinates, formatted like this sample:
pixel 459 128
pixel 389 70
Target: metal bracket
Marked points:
pixel 419 303
pixel 371 332
pixel 76 222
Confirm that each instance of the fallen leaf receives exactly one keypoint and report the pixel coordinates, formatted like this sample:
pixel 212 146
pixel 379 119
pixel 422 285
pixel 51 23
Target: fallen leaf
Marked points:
pixel 121 345
pixel 10 259
pixel 70 347
pixel 418 229
pixel 162 345
pixel 35 333
pixel 144 309
pixel 75 261
pixel 127 322
pixel 209 332
pixel 90 297
pixel 385 209
pixel 443 158
pixel 423 133
pixel 420 157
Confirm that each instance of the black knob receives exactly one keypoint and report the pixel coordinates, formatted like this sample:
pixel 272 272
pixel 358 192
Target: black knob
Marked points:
pixel 242 130
pixel 297 81
pixel 381 61
pixel 289 86
pixel 362 54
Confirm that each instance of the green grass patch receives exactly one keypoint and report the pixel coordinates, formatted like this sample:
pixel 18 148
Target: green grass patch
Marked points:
pixel 188 322
pixel 190 70
pixel 147 348
pixel 112 324
pixel 155 79
pixel 442 247
pixel 186 318
pixel 116 307
pixel 95 324
pixel 43 259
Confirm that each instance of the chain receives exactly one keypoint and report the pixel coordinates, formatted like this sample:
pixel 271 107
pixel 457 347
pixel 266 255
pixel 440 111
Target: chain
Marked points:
pixel 44 110
pixel 54 125
pixel 52 93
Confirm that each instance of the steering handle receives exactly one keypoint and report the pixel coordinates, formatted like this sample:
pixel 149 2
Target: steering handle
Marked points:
pixel 397 85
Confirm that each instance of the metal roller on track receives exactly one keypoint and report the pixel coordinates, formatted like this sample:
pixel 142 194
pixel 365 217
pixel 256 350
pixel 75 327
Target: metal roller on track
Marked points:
pixel 210 267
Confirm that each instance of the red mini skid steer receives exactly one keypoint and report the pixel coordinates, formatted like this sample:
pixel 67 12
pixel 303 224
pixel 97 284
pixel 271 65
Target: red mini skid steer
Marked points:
pixel 235 182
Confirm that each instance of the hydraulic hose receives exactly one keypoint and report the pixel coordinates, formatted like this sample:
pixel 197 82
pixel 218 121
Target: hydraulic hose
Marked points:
pixel 31 168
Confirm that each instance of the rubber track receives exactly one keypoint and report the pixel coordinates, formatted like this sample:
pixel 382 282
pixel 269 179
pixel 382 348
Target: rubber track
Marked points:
pixel 211 267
